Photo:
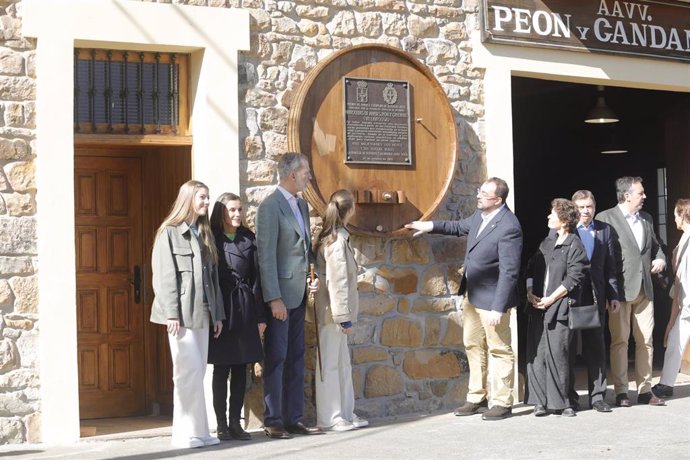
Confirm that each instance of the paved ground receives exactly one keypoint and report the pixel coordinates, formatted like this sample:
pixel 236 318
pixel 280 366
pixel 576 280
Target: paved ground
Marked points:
pixel 636 432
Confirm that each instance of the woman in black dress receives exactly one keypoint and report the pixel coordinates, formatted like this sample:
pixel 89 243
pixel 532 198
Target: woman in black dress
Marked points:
pixel 240 340
pixel 554 275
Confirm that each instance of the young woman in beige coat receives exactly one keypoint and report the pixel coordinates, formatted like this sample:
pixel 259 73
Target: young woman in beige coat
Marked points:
pixel 677 336
pixel 337 305
pixel 188 301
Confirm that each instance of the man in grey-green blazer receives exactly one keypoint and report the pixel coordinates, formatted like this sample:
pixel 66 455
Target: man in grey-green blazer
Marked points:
pixel 284 244
pixel 639 255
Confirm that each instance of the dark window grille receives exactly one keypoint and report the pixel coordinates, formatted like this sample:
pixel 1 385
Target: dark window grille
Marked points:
pixel 126 92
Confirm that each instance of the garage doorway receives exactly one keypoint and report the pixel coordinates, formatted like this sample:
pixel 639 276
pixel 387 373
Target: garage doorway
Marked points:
pixel 556 153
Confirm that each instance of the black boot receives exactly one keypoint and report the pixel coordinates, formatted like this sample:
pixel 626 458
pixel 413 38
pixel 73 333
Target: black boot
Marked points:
pixel 237 432
pixel 223 432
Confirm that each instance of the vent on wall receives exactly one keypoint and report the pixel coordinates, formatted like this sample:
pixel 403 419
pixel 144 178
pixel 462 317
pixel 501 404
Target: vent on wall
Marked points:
pixel 126 92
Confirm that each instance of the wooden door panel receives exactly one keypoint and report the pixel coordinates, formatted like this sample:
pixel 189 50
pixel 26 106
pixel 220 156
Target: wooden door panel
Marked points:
pixel 87 249
pixel 85 190
pixel 118 249
pixel 87 310
pixel 88 367
pixel 120 316
pixel 108 217
pixel 121 365
pixel 116 190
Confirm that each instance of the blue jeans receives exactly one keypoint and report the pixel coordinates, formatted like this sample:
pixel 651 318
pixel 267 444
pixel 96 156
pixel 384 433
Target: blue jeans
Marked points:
pixel 284 369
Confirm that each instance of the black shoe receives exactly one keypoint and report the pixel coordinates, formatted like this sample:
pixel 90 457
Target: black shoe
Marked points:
pixel 223 432
pixel 539 410
pixel 301 428
pixel 277 432
pixel 568 412
pixel 622 400
pixel 471 408
pixel 651 399
pixel 601 406
pixel 236 431
pixel 662 391
pixel 497 413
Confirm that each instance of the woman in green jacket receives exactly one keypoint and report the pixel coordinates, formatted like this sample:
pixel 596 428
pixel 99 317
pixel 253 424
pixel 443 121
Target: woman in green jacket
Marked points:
pixel 187 301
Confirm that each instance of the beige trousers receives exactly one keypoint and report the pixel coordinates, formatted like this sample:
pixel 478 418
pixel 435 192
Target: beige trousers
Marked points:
pixel 637 315
pixel 488 347
pixel 335 396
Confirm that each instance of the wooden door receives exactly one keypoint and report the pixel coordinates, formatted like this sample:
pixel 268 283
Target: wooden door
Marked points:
pixel 110 315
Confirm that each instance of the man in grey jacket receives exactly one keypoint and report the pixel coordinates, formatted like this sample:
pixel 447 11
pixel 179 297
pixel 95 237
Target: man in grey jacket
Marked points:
pixel 639 255
pixel 492 267
pixel 284 244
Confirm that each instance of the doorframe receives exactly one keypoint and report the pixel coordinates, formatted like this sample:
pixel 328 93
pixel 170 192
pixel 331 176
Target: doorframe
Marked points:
pixel 212 36
pixel 172 159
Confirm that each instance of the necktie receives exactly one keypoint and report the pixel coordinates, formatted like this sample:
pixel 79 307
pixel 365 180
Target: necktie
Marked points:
pixel 298 214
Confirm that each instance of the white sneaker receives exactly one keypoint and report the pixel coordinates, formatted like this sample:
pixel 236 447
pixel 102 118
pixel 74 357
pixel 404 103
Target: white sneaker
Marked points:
pixel 359 422
pixel 210 440
pixel 342 425
pixel 189 443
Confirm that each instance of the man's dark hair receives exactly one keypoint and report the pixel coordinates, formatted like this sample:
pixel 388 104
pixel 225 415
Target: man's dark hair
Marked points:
pixel 623 186
pixel 501 187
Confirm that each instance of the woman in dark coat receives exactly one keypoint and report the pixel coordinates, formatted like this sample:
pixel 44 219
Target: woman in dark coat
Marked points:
pixel 240 340
pixel 554 276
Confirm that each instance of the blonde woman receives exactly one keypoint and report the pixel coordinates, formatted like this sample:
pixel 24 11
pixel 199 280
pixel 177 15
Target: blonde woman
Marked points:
pixel 187 300
pixel 337 305
pixel 677 334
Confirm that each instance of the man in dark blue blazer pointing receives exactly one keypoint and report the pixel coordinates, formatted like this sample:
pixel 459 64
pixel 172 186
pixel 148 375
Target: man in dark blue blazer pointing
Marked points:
pixel 492 267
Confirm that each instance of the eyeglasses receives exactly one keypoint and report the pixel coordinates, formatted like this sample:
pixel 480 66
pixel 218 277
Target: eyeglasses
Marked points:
pixel 485 195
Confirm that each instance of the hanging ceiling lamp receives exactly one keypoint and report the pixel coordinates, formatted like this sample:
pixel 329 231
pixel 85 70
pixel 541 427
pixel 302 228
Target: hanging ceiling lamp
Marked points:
pixel 601 113
pixel 613 145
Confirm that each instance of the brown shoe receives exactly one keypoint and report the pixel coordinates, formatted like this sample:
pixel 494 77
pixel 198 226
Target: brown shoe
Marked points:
pixel 497 413
pixel 277 432
pixel 301 428
pixel 471 408
pixel 651 399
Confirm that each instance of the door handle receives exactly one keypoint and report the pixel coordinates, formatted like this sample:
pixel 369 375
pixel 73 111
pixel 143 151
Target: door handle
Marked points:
pixel 137 284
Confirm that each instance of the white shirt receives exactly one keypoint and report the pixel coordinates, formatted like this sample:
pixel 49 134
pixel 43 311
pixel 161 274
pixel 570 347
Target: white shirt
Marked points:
pixel 486 218
pixel 635 223
pixel 292 200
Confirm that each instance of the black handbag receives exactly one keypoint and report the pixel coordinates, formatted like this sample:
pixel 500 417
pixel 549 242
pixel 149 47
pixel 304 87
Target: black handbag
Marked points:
pixel 584 316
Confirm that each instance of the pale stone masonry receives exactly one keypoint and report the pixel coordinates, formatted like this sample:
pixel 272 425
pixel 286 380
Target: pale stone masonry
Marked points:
pixel 19 325
pixel 407 352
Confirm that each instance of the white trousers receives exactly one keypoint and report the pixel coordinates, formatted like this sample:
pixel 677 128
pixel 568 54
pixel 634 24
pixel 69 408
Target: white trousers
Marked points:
pixel 189 352
pixel 678 339
pixel 335 396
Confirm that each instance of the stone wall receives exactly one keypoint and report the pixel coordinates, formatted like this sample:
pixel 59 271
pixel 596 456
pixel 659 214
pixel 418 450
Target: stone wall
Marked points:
pixel 19 375
pixel 407 350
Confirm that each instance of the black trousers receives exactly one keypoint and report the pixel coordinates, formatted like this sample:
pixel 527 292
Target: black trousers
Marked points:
pixel 594 354
pixel 238 385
